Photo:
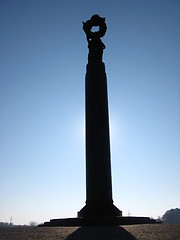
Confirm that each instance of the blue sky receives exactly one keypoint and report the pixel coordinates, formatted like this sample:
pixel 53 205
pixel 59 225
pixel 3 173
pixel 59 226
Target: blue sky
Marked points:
pixel 43 57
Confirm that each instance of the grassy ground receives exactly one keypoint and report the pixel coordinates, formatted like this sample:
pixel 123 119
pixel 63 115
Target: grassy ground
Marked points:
pixel 131 232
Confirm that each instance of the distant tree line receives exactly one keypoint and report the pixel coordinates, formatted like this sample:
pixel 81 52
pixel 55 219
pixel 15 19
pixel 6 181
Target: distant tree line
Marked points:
pixel 6 224
pixel 171 216
pixel 33 224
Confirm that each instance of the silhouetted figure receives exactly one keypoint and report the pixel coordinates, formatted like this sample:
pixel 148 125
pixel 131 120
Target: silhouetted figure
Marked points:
pixel 95 45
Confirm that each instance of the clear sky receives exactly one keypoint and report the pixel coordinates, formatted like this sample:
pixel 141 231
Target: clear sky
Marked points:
pixel 43 57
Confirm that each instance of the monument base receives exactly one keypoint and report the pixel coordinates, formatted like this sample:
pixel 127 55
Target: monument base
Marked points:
pixel 98 221
pixel 99 210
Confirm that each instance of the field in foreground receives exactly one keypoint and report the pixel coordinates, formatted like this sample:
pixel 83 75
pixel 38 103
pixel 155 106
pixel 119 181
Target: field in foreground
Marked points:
pixel 131 232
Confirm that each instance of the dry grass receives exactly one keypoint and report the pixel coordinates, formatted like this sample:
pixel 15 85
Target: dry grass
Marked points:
pixel 131 232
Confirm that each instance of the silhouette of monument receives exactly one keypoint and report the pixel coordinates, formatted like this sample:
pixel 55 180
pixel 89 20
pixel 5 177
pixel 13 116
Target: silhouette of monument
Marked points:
pixel 99 200
pixel 99 208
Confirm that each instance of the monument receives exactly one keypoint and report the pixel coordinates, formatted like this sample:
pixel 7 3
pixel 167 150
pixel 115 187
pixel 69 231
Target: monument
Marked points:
pixel 99 208
pixel 99 200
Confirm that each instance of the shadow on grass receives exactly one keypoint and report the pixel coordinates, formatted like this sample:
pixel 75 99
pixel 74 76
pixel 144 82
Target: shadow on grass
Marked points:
pixel 97 233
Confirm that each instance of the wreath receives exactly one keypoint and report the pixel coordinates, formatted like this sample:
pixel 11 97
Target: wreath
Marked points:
pixel 95 21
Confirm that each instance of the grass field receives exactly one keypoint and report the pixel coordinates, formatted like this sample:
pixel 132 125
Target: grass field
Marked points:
pixel 130 232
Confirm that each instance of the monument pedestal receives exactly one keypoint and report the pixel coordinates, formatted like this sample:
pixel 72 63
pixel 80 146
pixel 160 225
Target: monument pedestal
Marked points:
pixel 99 211
pixel 98 221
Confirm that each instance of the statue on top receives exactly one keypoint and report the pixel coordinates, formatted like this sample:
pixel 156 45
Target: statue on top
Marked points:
pixel 95 45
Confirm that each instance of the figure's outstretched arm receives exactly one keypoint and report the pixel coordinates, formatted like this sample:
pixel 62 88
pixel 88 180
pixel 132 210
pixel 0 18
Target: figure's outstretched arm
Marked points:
pixel 85 30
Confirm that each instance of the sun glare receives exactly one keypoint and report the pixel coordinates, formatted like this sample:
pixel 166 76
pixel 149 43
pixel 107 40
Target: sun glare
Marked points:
pixel 114 128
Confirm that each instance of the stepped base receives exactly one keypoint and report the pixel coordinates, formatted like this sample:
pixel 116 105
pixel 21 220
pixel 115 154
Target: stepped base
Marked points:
pixel 101 210
pixel 98 221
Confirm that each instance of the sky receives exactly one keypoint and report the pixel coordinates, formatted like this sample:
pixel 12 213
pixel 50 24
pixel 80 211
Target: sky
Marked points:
pixel 43 57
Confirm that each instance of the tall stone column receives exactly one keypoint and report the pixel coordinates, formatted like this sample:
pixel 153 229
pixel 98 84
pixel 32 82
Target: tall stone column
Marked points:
pixel 99 201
